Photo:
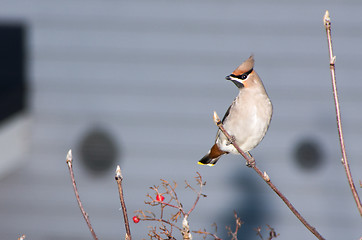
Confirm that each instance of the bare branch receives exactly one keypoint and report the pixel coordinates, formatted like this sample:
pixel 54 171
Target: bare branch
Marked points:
pixel 186 234
pixel 332 59
pixel 69 161
pixel 199 193
pixel 272 233
pixel 217 121
pixel 266 178
pixel 238 223
pixel 258 233
pixel 119 179
pixel 205 233
pixel 171 190
pixel 155 235
pixel 168 190
pixel 163 221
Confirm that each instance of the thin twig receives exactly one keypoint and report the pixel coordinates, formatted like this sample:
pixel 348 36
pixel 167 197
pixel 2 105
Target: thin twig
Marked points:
pixel 199 193
pixel 238 223
pixel 69 161
pixel 169 190
pixel 163 221
pixel 172 193
pixel 332 59
pixel 119 179
pixel 272 233
pixel 205 233
pixel 266 178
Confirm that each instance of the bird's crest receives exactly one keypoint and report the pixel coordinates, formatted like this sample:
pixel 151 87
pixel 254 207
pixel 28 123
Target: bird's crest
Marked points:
pixel 246 66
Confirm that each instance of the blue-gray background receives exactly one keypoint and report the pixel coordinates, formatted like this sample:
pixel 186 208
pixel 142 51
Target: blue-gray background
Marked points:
pixel 150 73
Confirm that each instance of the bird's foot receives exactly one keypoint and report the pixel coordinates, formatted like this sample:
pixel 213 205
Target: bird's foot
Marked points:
pixel 250 163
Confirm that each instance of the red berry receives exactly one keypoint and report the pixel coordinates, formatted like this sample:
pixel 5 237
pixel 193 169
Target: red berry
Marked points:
pixel 160 198
pixel 136 219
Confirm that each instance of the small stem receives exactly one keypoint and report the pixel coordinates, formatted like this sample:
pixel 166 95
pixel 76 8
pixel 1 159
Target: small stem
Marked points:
pixel 174 194
pixel 238 223
pixel 199 193
pixel 266 178
pixel 195 203
pixel 218 123
pixel 69 161
pixel 162 220
pixel 203 232
pixel 173 206
pixel 119 179
pixel 332 59
pixel 186 234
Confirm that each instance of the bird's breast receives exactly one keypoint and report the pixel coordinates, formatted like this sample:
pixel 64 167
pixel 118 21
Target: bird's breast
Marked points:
pixel 248 121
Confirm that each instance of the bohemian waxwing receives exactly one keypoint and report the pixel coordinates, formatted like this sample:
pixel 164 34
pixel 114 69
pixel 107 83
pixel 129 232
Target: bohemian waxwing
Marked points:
pixel 248 117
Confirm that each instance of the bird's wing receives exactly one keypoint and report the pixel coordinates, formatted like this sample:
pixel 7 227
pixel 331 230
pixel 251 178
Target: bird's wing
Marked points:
pixel 226 114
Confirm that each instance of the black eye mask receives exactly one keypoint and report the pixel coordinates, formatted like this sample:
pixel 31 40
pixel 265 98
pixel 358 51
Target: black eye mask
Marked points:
pixel 242 76
pixel 235 78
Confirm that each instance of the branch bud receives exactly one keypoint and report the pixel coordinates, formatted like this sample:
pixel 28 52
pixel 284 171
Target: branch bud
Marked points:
pixel 118 173
pixel 266 177
pixel 326 18
pixel 216 118
pixel 69 158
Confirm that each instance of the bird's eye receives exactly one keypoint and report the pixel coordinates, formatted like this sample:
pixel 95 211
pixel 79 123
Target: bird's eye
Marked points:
pixel 243 76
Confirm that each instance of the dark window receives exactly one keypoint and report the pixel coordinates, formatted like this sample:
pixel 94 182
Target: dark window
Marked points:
pixel 12 70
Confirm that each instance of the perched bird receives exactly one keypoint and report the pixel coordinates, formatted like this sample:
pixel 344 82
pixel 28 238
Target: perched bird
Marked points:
pixel 248 117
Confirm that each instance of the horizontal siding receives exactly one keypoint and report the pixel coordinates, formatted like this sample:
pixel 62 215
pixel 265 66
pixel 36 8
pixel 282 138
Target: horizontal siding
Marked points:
pixel 151 73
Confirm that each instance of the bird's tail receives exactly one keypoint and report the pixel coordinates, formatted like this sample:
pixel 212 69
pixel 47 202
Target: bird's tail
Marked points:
pixel 212 156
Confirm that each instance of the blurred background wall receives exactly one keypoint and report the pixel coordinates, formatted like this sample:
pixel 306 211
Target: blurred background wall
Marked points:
pixel 135 83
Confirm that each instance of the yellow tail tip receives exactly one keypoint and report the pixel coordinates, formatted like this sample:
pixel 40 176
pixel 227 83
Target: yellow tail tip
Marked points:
pixel 207 164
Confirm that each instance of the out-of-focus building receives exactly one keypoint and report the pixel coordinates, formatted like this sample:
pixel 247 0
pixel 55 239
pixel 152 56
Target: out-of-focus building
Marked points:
pixel 135 83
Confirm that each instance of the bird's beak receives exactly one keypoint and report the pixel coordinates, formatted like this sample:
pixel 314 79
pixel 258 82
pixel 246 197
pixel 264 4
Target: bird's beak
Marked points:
pixel 228 78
